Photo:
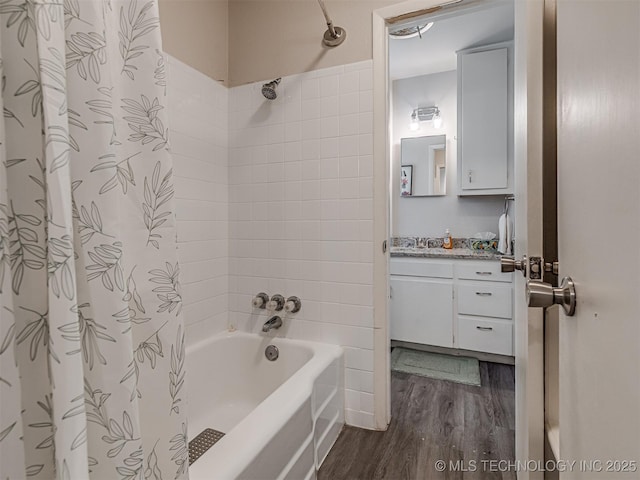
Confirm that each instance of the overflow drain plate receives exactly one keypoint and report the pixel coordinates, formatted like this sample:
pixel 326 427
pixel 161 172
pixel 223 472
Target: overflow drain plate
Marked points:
pixel 272 353
pixel 203 442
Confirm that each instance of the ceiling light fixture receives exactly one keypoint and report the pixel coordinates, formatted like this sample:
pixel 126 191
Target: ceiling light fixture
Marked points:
pixel 411 32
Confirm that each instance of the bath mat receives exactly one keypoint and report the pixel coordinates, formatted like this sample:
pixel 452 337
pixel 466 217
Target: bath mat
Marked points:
pixel 203 442
pixel 436 365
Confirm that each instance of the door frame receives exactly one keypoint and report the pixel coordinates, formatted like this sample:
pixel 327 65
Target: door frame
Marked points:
pixel 528 148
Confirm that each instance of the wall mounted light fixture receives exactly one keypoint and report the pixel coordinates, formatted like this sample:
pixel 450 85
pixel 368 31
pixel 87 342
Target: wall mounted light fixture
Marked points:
pixel 424 114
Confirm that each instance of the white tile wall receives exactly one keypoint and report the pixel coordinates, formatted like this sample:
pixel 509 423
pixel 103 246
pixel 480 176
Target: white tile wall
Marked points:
pixel 198 109
pixel 301 213
pixel 277 197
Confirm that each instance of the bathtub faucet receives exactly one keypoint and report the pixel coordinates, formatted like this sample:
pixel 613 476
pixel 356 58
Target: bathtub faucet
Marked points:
pixel 273 322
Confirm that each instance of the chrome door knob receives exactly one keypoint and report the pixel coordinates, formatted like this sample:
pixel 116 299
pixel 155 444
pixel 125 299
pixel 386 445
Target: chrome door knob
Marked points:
pixel 540 294
pixel 510 264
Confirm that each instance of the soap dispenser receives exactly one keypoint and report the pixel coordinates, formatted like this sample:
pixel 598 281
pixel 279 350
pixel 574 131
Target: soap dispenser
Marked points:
pixel 446 241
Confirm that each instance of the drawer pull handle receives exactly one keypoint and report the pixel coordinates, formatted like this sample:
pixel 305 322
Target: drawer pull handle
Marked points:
pixel 484 273
pixel 484 294
pixel 485 329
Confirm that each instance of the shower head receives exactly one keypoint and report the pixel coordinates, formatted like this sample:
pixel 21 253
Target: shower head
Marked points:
pixel 269 89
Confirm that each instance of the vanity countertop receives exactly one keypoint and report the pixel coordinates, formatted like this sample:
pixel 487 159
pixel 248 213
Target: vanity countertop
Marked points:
pixel 454 253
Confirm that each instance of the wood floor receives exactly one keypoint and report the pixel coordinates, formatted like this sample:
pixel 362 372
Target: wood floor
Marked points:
pixel 434 420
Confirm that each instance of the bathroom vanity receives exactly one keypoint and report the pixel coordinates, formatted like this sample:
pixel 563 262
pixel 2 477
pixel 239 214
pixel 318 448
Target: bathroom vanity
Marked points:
pixel 457 299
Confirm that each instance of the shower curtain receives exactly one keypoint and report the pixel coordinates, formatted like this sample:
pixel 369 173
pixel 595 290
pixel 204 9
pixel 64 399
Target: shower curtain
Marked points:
pixel 91 335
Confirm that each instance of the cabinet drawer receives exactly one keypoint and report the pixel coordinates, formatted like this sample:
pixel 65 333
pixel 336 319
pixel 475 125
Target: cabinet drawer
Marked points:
pixel 486 299
pixel 483 335
pixel 488 270
pixel 416 267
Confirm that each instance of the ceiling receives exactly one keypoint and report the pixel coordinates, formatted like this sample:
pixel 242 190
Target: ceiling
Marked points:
pixel 435 51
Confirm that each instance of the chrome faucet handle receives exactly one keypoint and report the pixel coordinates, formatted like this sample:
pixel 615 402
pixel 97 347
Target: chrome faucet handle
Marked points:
pixel 276 303
pixel 292 305
pixel 260 300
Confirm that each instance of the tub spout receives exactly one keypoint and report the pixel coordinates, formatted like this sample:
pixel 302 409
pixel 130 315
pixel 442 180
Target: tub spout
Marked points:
pixel 273 322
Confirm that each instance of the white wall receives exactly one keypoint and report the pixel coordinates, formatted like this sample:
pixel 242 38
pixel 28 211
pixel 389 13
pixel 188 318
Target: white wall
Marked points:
pixel 301 210
pixel 431 216
pixel 198 109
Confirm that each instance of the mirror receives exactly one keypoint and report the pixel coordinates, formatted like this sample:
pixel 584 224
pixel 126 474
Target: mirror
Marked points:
pixel 423 166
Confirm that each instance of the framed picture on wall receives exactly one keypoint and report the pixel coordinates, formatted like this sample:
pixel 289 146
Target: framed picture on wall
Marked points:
pixel 406 180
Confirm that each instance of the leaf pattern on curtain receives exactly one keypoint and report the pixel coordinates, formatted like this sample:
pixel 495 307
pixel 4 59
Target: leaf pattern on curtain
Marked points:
pixel 92 345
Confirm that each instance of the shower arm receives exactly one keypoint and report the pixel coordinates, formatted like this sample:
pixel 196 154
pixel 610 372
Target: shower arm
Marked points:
pixel 329 22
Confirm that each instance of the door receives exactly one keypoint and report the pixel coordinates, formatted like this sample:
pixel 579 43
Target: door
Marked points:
pixel 528 149
pixel 598 64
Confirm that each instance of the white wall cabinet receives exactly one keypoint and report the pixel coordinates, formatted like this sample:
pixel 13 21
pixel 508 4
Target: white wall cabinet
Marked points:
pixel 464 304
pixel 485 120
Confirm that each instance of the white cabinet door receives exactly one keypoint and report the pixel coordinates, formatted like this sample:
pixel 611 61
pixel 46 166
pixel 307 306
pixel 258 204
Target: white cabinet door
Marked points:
pixel 483 120
pixel 419 267
pixel 421 310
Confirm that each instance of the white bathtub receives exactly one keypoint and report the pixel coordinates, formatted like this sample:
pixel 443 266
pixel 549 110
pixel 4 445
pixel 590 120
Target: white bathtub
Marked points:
pixel 279 418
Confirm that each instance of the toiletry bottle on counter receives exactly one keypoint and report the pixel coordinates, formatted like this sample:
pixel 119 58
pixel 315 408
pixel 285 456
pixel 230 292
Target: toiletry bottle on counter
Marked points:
pixel 446 241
